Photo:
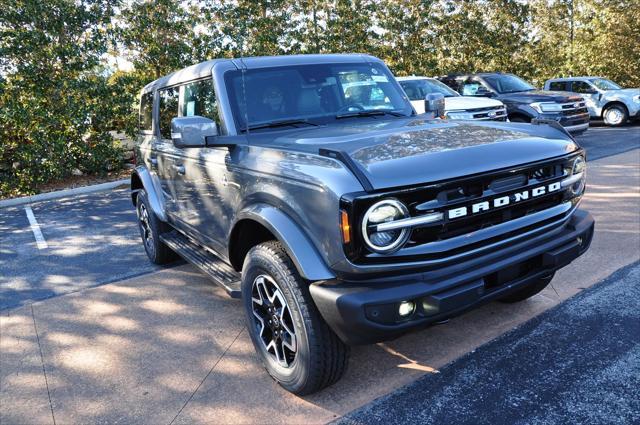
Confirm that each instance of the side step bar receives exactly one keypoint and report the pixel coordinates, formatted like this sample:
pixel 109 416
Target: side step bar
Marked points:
pixel 218 270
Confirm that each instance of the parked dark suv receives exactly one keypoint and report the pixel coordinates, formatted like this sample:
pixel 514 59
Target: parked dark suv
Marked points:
pixel 308 187
pixel 524 103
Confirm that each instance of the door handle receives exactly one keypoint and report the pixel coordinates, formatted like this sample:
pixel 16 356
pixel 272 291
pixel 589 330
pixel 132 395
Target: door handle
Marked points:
pixel 179 168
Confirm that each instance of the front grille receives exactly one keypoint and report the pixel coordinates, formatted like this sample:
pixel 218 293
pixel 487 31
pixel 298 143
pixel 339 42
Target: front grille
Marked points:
pixel 489 114
pixel 574 108
pixel 465 193
pixel 477 222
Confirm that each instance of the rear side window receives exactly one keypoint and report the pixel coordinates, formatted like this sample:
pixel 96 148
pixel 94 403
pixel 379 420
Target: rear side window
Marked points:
pixel 146 112
pixel 559 86
pixel 167 110
pixel 199 99
pixel 582 87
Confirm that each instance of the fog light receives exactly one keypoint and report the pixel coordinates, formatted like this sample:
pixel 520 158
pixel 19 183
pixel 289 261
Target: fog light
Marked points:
pixel 406 308
pixel 430 307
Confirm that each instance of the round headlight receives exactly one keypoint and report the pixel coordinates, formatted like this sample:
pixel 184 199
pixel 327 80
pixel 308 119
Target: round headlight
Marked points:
pixel 384 212
pixel 579 164
pixel 579 167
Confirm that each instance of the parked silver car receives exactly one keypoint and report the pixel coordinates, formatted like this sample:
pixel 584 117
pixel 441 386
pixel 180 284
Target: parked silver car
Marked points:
pixel 605 99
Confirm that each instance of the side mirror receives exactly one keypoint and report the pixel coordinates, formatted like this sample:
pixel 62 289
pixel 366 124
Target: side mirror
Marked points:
pixel 434 105
pixel 192 132
pixel 482 91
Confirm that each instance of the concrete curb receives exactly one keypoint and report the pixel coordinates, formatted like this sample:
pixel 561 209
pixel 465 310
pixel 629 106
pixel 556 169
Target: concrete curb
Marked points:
pixel 62 193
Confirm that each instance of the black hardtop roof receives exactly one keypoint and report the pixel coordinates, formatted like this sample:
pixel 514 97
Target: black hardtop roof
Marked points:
pixel 203 69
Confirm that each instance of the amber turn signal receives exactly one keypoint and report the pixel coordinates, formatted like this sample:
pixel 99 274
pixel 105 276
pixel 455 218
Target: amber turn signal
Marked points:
pixel 345 227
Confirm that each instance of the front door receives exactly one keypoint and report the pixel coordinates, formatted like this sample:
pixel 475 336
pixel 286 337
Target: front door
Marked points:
pixel 166 154
pixel 201 176
pixel 588 93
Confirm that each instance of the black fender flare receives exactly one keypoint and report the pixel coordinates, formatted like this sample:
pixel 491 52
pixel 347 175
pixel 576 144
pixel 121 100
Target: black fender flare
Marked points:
pixel 301 250
pixel 141 178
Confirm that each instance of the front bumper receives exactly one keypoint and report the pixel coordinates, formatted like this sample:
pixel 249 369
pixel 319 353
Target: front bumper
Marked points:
pixel 572 123
pixel 365 312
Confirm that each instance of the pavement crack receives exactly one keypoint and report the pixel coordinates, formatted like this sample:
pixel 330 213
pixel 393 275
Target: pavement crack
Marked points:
pixel 206 376
pixel 44 371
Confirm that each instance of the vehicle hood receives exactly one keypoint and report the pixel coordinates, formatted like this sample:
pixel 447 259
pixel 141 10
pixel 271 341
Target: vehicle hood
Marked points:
pixel 540 96
pixel 412 151
pixel 469 102
pixel 627 93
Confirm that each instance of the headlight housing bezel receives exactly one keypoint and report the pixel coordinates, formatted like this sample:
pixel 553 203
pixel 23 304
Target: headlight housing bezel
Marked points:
pixel 401 235
pixel 546 107
pixel 458 114
pixel 577 167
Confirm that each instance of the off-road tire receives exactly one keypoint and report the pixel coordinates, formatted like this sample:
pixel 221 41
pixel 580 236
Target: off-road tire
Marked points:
pixel 528 291
pixel 321 357
pixel 156 250
pixel 623 113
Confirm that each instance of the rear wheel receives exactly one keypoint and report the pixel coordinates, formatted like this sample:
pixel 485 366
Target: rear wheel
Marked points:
pixel 296 346
pixel 150 230
pixel 615 115
pixel 528 291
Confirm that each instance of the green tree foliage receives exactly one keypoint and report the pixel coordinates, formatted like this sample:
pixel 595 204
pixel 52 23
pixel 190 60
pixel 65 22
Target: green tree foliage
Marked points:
pixel 586 37
pixel 408 41
pixel 158 35
pixel 51 85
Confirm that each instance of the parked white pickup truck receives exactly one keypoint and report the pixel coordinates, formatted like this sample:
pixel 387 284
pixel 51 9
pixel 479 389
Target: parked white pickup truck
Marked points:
pixel 457 107
pixel 605 99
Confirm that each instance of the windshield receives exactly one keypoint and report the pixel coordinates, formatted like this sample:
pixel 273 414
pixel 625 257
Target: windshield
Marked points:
pixel 418 89
pixel 604 84
pixel 312 94
pixel 508 83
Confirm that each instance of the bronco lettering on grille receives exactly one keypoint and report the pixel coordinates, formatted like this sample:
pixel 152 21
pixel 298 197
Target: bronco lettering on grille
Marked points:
pixel 503 200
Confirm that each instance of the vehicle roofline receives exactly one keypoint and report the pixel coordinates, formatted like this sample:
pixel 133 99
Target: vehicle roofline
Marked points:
pixel 203 69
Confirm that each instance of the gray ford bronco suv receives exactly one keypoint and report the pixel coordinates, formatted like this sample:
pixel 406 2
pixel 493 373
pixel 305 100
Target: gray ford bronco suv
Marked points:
pixel 308 187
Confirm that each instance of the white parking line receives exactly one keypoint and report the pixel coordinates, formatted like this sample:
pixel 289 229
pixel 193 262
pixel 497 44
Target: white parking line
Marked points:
pixel 35 228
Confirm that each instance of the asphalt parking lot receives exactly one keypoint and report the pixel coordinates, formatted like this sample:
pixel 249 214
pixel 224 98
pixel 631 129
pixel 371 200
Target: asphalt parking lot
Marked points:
pixel 578 361
pixel 137 344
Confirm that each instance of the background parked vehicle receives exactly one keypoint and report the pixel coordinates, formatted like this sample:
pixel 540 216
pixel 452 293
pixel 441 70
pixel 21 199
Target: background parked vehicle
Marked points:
pixel 522 100
pixel 457 107
pixel 605 99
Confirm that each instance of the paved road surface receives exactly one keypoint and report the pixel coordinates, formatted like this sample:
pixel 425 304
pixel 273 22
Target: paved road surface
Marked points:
pixel 577 363
pixel 91 240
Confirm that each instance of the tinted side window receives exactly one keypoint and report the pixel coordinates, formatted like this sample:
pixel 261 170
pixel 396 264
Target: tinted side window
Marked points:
pixel 167 110
pixel 146 109
pixel 559 86
pixel 582 87
pixel 199 99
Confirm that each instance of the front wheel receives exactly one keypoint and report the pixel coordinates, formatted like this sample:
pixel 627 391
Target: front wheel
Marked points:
pixel 615 115
pixel 296 346
pixel 528 291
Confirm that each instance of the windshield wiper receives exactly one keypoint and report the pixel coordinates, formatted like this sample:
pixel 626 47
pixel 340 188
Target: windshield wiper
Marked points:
pixel 280 123
pixel 369 114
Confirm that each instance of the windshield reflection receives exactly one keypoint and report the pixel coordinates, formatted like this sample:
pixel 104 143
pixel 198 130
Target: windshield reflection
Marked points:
pixel 266 98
